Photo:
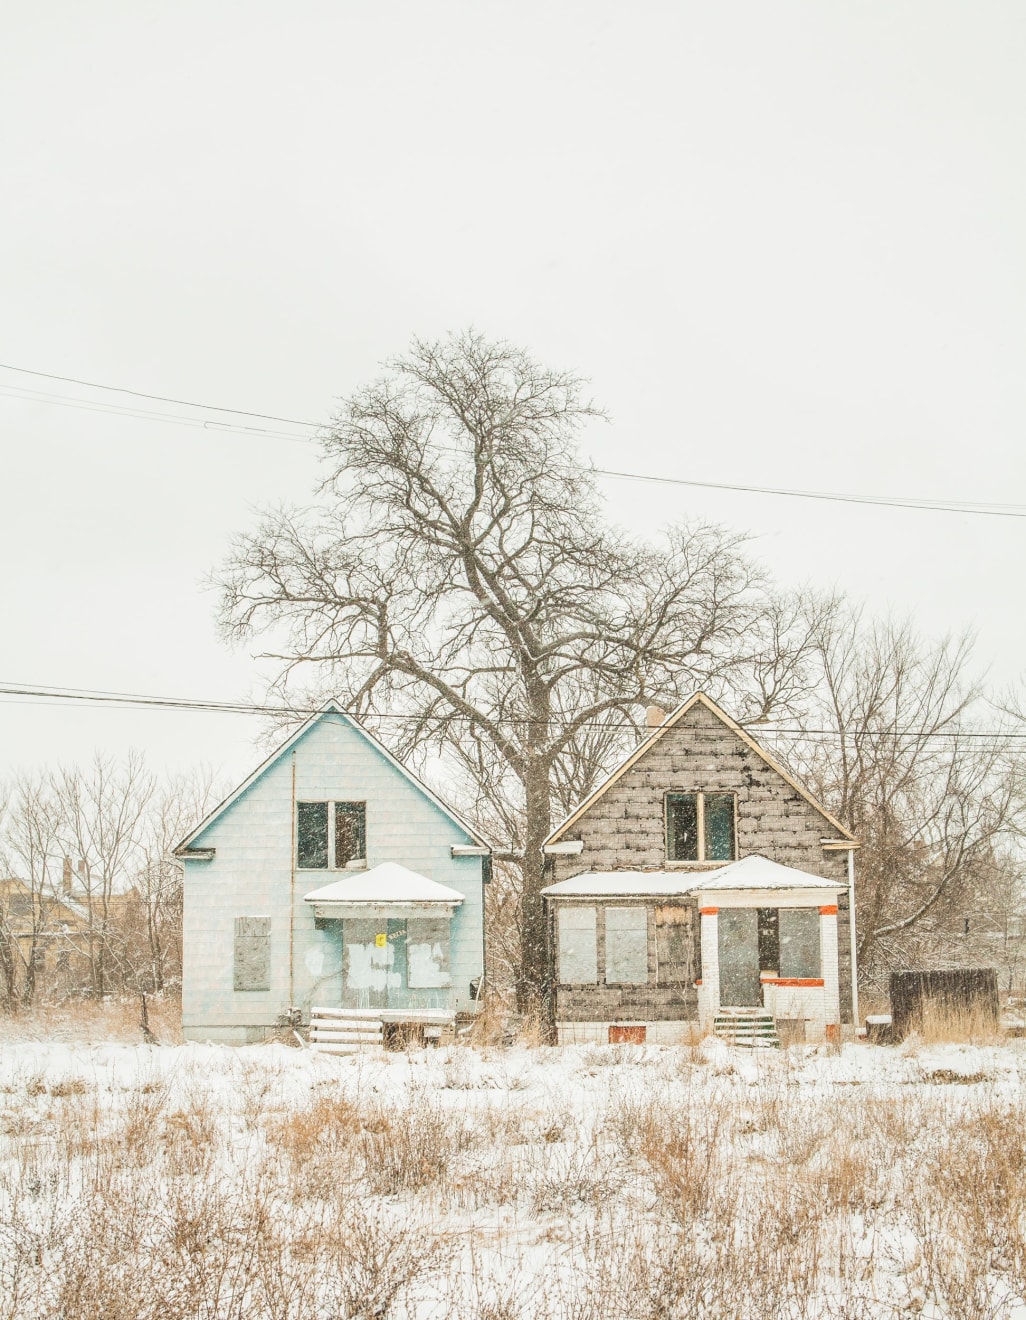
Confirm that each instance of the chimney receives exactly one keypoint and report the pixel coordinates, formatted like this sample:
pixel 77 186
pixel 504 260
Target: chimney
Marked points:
pixel 66 877
pixel 654 716
pixel 83 874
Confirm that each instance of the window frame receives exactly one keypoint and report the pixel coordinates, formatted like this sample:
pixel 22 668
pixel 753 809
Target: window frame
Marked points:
pixel 699 794
pixel 331 804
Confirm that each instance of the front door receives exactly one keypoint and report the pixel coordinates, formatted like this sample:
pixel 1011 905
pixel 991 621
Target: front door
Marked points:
pixel 740 986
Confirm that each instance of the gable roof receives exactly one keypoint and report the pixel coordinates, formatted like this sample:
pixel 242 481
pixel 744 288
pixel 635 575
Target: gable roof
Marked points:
pixel 699 699
pixel 331 708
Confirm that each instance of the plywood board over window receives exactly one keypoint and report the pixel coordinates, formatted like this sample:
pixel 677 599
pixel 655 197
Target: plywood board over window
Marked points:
pixel 799 942
pixel 578 946
pixel 626 945
pixel 675 945
pixel 428 952
pixel 252 953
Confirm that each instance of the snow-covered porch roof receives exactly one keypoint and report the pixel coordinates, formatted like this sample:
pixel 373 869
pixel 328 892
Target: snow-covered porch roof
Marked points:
pixel 386 886
pixel 753 873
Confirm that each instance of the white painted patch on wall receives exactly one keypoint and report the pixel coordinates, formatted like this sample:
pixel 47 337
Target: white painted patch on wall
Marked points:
pixel 367 967
pixel 314 961
pixel 429 965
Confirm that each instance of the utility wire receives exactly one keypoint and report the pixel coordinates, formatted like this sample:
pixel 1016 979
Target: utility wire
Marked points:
pixel 137 700
pixel 159 398
pixel 991 509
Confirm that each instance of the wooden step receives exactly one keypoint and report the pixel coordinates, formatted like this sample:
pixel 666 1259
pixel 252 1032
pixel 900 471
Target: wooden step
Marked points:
pixel 746 1027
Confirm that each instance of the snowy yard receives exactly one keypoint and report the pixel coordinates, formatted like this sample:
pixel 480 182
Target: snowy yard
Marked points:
pixel 630 1181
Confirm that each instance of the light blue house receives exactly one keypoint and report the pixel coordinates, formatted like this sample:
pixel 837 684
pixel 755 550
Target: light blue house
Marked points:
pixel 331 878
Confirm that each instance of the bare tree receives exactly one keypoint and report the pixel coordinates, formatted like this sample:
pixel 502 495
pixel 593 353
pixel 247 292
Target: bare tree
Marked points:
pixel 32 862
pixel 457 571
pixel 156 889
pixel 102 812
pixel 905 764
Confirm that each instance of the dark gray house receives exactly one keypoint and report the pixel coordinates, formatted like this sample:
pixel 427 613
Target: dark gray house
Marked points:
pixel 700 884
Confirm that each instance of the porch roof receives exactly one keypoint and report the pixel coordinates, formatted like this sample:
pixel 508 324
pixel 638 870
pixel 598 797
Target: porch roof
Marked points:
pixel 750 873
pixel 387 883
pixel 755 872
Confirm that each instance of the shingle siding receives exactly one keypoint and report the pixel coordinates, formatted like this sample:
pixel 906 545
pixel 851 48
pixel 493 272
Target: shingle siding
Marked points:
pixel 625 828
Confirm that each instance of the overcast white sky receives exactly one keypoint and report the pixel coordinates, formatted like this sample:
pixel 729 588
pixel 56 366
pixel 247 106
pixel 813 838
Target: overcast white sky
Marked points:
pixel 785 241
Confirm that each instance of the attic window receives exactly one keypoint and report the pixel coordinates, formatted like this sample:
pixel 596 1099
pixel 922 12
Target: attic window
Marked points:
pixel 321 849
pixel 700 827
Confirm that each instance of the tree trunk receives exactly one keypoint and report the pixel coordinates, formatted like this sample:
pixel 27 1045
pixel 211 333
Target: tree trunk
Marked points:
pixel 531 989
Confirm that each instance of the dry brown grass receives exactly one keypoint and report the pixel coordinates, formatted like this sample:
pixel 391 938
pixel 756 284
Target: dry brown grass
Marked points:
pixel 653 1187
pixel 88 1021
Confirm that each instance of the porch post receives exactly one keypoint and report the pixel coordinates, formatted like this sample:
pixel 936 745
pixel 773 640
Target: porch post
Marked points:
pixel 831 980
pixel 709 990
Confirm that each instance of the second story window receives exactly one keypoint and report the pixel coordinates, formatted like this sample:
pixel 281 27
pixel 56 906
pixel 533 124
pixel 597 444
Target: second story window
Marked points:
pixel 319 848
pixel 700 827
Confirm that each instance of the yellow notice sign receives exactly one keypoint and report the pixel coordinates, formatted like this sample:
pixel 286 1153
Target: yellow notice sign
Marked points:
pixel 381 940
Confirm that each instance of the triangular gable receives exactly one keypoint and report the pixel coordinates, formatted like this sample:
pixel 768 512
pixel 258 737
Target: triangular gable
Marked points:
pixel 646 746
pixel 332 708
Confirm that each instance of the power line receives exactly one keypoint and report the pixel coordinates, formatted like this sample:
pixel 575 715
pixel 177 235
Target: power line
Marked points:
pixel 991 509
pixel 886 501
pixel 148 415
pixel 158 398
pixel 96 698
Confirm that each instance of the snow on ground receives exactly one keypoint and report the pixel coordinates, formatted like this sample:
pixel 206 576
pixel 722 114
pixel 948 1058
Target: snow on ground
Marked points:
pixel 615 1181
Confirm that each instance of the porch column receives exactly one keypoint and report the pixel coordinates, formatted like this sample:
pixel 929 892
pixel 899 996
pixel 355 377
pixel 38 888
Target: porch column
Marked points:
pixel 709 990
pixel 831 981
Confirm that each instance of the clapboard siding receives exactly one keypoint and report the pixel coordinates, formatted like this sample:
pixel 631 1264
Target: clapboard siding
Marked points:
pixel 251 873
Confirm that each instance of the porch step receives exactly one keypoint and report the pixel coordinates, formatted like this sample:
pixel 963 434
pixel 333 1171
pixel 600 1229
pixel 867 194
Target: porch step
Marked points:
pixel 334 1032
pixel 752 1028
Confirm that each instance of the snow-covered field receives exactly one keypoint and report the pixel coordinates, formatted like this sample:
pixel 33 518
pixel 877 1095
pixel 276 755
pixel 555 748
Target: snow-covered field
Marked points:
pixel 624 1181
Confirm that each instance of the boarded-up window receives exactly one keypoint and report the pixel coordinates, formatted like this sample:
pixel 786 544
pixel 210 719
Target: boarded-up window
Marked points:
pixel 799 942
pixel 350 832
pixel 252 953
pixel 626 945
pixel 578 947
pixel 428 952
pixel 312 836
pixel 674 946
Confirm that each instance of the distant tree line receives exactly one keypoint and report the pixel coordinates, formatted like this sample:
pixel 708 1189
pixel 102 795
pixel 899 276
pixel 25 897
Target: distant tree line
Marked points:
pixel 90 892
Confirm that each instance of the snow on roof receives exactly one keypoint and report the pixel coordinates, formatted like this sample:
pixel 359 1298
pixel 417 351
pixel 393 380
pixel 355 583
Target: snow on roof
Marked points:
pixel 755 872
pixel 752 872
pixel 600 884
pixel 387 883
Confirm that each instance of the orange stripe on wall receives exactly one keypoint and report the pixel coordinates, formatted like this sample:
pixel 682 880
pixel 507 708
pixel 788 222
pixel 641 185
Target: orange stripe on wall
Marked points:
pixel 708 912
pixel 829 910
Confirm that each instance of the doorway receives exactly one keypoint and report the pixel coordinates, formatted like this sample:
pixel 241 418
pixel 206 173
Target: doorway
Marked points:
pixel 740 984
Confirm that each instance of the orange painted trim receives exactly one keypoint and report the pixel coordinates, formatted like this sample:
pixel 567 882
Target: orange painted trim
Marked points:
pixel 699 981
pixel 708 912
pixel 791 980
pixel 828 910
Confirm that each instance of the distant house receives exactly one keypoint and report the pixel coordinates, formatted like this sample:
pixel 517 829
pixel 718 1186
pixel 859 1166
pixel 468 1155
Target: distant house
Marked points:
pixel 332 878
pixel 702 884
pixel 47 926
